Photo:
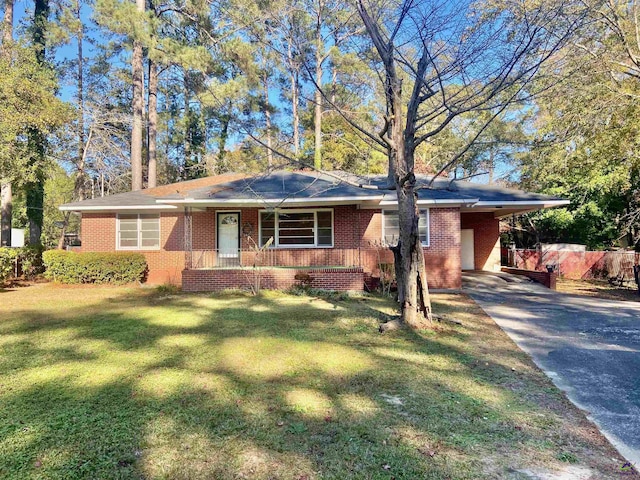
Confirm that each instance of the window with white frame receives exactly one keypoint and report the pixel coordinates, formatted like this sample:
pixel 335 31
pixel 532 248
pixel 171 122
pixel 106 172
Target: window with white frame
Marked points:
pixel 138 231
pixel 391 227
pixel 297 228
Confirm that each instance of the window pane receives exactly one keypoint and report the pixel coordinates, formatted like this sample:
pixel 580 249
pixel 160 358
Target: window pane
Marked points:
pixel 324 219
pixel 267 227
pixel 128 225
pixel 423 226
pixel 296 228
pixel 129 244
pixel 139 231
pixel 324 238
pixel 391 227
pixel 151 243
pixel 150 224
pixel 296 241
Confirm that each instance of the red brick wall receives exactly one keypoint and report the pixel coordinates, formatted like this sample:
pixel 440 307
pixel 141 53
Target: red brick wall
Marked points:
pixel 442 256
pixel 486 239
pixel 548 279
pixel 165 265
pixel 356 232
pixel 272 279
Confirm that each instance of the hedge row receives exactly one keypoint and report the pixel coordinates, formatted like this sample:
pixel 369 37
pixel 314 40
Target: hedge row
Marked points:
pixel 29 261
pixel 72 267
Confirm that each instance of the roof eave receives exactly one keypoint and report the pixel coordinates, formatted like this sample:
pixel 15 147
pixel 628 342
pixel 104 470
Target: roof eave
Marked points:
pixel 505 209
pixel 113 208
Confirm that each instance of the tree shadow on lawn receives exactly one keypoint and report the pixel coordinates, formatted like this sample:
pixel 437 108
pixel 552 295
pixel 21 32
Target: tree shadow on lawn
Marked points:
pixel 274 386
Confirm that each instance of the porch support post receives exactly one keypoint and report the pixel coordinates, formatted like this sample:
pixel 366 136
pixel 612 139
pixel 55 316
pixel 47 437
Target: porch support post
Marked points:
pixel 188 244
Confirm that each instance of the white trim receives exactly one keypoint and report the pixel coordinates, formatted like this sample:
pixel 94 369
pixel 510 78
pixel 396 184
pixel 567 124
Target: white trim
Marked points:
pixel 422 211
pixel 99 208
pixel 139 248
pixel 276 227
pixel 524 203
pixel 455 201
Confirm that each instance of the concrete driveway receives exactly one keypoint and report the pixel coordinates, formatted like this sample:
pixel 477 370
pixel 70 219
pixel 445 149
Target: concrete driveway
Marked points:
pixel 589 347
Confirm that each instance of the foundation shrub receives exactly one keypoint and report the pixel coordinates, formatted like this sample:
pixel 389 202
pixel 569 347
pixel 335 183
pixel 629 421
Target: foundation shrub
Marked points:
pixel 92 267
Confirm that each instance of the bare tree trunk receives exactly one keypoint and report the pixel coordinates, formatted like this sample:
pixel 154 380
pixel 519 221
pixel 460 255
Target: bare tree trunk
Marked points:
pixel 413 294
pixel 152 125
pixel 295 114
pixel 137 67
pixel 6 198
pixel 334 83
pixel 267 117
pixel 80 182
pixel 491 166
pixel 225 120
pixel 295 99
pixel 7 23
pixel 187 130
pixel 63 232
pixel 317 156
pixel 399 135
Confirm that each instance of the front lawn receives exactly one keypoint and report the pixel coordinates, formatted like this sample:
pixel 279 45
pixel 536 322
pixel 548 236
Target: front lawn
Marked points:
pixel 139 383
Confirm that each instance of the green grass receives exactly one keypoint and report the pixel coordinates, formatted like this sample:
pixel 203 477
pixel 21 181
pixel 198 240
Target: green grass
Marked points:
pixel 140 383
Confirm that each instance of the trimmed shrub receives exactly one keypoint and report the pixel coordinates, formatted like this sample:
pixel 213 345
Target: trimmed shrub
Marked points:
pixel 30 261
pixel 7 262
pixel 94 267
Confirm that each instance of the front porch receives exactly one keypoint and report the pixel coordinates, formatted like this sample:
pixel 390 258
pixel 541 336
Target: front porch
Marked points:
pixel 277 269
pixel 273 278
pixel 275 258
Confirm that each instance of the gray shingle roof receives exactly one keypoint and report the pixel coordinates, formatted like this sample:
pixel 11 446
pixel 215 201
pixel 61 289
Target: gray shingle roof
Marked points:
pixel 302 186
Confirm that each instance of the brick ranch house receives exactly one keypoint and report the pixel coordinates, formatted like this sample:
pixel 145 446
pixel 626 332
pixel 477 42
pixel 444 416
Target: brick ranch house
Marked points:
pixel 203 234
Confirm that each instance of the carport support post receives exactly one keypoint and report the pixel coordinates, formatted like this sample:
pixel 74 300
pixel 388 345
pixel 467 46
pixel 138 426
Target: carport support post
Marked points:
pixel 188 245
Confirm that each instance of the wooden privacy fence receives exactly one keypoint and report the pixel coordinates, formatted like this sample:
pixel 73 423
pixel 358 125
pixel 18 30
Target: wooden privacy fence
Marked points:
pixel 616 266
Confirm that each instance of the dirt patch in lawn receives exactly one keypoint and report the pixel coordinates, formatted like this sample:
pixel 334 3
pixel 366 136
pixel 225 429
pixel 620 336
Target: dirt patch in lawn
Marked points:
pixel 596 288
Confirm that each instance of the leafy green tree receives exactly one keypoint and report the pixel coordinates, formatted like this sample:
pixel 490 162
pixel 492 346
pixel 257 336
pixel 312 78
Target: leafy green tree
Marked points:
pixel 28 105
pixel 587 134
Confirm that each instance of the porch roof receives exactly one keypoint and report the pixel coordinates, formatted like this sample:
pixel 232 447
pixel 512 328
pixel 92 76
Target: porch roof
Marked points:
pixel 296 189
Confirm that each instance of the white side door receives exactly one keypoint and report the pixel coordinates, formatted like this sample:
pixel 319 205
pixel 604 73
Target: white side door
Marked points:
pixel 467 253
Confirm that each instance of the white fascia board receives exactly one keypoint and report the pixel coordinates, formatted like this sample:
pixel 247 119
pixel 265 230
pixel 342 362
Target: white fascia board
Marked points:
pixel 523 203
pixel 270 201
pixel 447 201
pixel 113 208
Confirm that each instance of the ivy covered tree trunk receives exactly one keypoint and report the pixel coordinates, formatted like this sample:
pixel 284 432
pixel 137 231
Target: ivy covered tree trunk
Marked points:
pixel 6 199
pixel 6 194
pixel 37 140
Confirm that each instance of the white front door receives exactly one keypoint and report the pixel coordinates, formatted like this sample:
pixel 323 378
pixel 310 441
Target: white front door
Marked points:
pixel 467 252
pixel 228 235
